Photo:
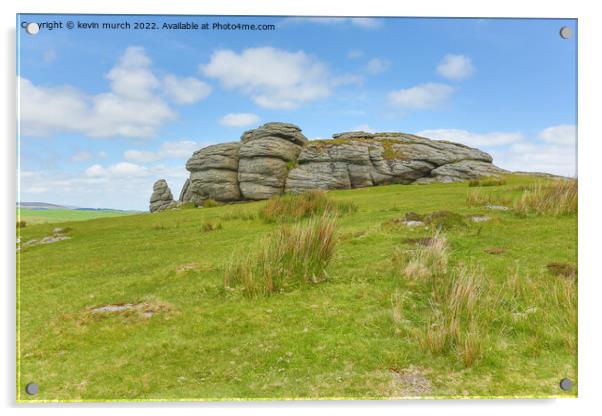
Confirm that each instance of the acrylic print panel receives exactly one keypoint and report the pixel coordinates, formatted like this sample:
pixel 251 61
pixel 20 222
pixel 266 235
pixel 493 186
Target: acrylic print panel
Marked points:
pixel 242 208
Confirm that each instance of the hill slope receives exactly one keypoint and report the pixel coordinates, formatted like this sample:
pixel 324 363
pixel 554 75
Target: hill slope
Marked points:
pixel 168 329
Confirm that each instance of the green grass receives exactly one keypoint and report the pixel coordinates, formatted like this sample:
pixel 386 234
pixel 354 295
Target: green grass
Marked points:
pixel 356 333
pixel 37 216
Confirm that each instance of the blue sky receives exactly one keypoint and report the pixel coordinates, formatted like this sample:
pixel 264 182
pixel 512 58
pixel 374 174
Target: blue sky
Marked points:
pixel 103 113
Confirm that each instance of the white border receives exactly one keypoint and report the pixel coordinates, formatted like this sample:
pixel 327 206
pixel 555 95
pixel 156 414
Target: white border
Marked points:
pixel 590 180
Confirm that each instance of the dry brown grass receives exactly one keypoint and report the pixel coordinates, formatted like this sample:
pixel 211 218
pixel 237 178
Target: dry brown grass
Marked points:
pixel 556 198
pixel 291 207
pixel 479 198
pixel 457 317
pixel 290 255
pixel 426 261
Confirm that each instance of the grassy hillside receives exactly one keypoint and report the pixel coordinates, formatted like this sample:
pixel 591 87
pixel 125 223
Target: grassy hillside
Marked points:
pixel 37 216
pixel 369 327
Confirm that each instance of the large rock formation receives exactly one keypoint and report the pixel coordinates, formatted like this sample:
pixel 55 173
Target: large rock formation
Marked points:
pixel 277 157
pixel 161 198
pixel 213 174
pixel 266 154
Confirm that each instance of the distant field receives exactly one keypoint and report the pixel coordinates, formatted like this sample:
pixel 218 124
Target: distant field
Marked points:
pixel 373 328
pixel 40 216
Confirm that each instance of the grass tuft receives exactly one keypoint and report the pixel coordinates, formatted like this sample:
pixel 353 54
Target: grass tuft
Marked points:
pixel 21 224
pixel 487 182
pixel 209 226
pixel 554 199
pixel 479 198
pixel 210 203
pixel 562 269
pixel 291 255
pixel 290 207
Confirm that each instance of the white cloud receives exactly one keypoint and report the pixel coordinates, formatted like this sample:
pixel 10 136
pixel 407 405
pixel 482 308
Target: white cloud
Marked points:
pixel 141 156
pixel 468 138
pixel 49 56
pixel 537 157
pixel 102 186
pixel 239 119
pixel 363 127
pixel 455 67
pixel 118 170
pixel 563 134
pixel 181 149
pixel 423 96
pixel 82 156
pixel 376 66
pixel 551 151
pixel 273 78
pixel 185 90
pixel 133 107
pixel 366 22
pixel 95 170
pixel 355 54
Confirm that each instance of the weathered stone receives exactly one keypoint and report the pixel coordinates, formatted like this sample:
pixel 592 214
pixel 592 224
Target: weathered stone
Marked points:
pixel 218 184
pixel 265 157
pixel 467 169
pixel 214 174
pixel 277 157
pixel 161 198
pixel 218 156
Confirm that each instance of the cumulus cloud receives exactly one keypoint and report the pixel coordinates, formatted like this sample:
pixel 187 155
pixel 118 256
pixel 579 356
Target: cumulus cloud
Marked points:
pixel 376 66
pixel 82 156
pixel 563 134
pixel 537 157
pixel 181 149
pixel 466 137
pixel 455 67
pixel 363 127
pixel 239 119
pixel 355 54
pixel 273 78
pixel 187 90
pixel 102 186
pixel 133 107
pixel 423 96
pixel 552 150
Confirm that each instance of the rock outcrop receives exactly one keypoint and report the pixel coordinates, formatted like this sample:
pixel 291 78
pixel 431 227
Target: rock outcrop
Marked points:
pixel 213 174
pixel 277 158
pixel 161 198
pixel 266 155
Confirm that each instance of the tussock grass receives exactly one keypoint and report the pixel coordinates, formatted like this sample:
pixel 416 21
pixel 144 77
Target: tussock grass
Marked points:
pixel 555 199
pixel 562 269
pixel 244 215
pixel 210 203
pixel 479 198
pixel 290 207
pixel 291 255
pixel 21 224
pixel 487 182
pixel 455 319
pixel 457 323
pixel 209 226
pixel 426 261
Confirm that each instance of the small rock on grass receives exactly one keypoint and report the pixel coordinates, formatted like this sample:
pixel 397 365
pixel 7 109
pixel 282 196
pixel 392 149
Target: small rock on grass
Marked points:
pixel 412 224
pixel 480 218
pixel 498 207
